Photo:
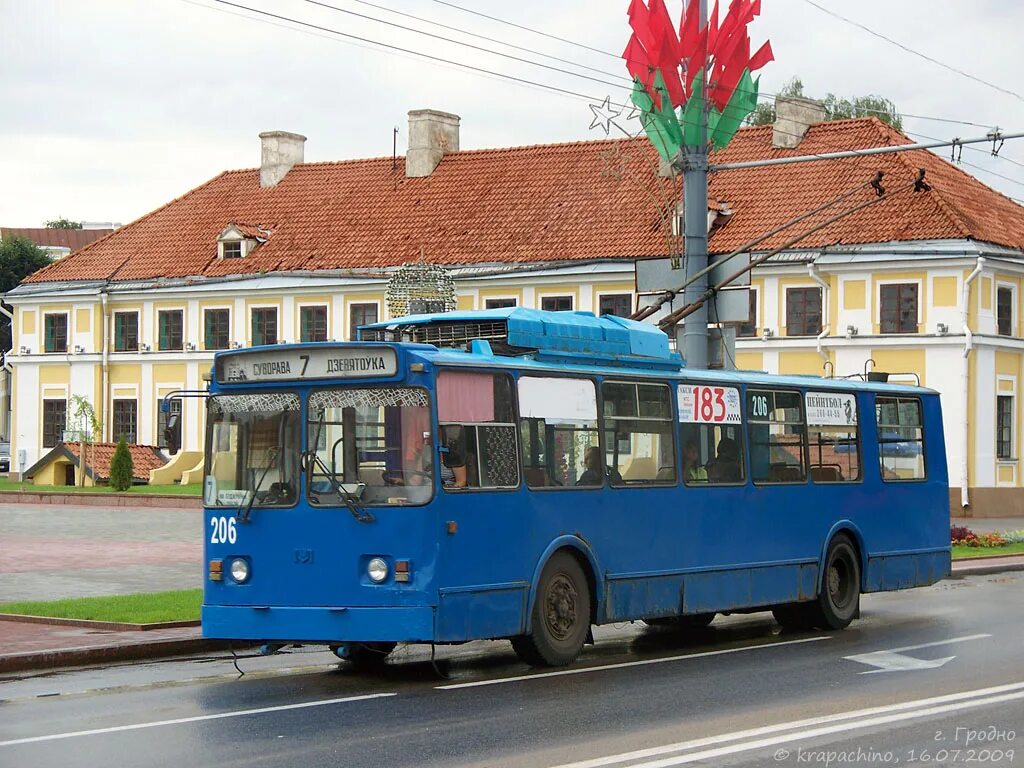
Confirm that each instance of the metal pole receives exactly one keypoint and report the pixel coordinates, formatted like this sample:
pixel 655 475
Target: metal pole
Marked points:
pixel 992 138
pixel 694 341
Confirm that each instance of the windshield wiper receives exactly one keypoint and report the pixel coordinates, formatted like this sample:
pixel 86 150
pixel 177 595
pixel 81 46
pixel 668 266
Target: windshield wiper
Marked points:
pixel 351 502
pixel 243 515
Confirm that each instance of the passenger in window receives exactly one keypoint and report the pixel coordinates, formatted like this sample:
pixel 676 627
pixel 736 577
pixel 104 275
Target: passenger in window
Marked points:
pixel 692 470
pixel 726 467
pixel 593 474
pixel 453 460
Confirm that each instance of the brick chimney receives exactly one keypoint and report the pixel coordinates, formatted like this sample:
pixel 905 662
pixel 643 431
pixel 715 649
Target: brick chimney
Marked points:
pixel 793 116
pixel 432 135
pixel 279 152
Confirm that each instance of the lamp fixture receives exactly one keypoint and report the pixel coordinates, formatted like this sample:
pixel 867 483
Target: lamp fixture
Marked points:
pixel 941 328
pixel 190 347
pixel 767 333
pixel 145 348
pixel 236 345
pixel 79 349
pixel 25 350
pixel 851 330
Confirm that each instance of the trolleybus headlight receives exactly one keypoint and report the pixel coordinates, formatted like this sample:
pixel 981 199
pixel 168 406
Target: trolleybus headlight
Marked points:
pixel 377 570
pixel 240 570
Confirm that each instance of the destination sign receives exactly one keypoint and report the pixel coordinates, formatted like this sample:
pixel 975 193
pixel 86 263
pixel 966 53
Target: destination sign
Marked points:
pixel 297 364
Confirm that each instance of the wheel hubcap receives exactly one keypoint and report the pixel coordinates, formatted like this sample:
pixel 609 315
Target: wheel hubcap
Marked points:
pixel 560 607
pixel 839 587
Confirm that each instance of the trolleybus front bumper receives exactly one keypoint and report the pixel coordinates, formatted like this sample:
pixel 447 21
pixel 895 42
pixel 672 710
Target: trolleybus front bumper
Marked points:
pixel 318 624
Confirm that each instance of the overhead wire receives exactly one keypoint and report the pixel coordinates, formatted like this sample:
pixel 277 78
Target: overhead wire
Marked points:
pixel 449 62
pixel 910 50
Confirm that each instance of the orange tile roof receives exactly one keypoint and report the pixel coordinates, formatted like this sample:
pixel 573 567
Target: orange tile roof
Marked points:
pixel 99 456
pixel 56 238
pixel 548 203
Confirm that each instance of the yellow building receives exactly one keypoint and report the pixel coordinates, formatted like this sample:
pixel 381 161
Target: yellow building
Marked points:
pixel 926 284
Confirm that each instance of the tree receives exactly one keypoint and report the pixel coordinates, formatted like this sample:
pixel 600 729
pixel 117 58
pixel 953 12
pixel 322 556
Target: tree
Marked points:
pixel 19 258
pixel 121 469
pixel 62 223
pixel 84 416
pixel 836 108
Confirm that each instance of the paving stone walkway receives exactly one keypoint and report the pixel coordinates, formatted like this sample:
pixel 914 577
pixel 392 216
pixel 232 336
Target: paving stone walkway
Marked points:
pixel 50 552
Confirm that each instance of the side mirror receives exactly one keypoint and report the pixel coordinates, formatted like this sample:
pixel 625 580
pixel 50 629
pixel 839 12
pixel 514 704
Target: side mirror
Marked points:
pixel 172 433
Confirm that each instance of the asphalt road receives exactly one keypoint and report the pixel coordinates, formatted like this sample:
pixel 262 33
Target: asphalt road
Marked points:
pixel 936 678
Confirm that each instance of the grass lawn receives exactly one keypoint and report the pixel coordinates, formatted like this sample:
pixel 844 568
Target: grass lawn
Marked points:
pixel 179 605
pixel 1009 549
pixel 194 489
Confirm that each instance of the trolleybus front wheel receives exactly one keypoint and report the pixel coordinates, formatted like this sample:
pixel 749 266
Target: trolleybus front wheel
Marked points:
pixel 368 656
pixel 561 615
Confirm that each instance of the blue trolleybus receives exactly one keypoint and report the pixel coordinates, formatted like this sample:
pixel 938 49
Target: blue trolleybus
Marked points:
pixel 523 474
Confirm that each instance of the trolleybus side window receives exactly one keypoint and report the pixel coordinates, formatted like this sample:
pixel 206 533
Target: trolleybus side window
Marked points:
pixel 558 425
pixel 900 438
pixel 252 455
pixel 711 434
pixel 777 430
pixel 639 444
pixel 833 436
pixel 371 444
pixel 478 430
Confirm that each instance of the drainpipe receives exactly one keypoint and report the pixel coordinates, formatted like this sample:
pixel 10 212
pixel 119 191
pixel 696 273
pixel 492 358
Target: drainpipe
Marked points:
pixel 825 305
pixel 105 364
pixel 968 346
pixel 9 372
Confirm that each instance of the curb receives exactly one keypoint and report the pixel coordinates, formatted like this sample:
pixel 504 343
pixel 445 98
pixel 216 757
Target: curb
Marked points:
pixel 68 657
pixel 112 626
pixel 133 500
pixel 976 568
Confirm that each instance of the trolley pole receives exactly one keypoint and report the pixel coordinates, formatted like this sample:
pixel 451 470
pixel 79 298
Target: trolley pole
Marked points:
pixel 694 160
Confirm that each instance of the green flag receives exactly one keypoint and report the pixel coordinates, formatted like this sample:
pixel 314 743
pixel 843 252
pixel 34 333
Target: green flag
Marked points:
pixel 741 103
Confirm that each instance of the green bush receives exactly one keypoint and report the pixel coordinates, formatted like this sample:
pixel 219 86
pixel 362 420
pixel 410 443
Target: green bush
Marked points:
pixel 121 468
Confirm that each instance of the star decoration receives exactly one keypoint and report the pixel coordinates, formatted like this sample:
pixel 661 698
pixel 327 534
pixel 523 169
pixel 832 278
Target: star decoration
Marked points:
pixel 603 115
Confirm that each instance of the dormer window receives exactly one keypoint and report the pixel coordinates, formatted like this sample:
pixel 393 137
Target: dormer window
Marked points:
pixel 239 240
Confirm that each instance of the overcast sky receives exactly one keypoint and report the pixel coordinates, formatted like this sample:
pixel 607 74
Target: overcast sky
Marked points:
pixel 109 108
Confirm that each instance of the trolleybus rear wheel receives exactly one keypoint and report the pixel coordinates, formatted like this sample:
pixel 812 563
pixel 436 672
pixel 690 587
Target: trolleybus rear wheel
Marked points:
pixel 839 596
pixel 561 615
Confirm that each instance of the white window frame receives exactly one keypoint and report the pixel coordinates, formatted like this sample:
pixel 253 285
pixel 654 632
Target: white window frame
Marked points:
pixel 877 312
pixel 518 301
pixel 1013 308
pixel 598 295
pixel 1000 392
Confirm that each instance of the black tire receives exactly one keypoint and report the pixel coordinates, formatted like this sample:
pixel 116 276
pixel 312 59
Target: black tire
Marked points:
pixel 689 621
pixel 560 620
pixel 838 600
pixel 369 656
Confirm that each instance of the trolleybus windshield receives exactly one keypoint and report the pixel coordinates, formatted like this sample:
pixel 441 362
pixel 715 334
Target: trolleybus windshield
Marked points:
pixel 371 444
pixel 253 450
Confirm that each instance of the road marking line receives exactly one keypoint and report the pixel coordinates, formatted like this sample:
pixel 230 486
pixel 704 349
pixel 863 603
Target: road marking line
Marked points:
pixel 937 643
pixel 1015 690
pixel 625 664
pixel 196 719
pixel 816 732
